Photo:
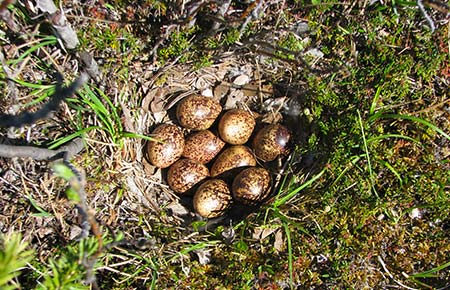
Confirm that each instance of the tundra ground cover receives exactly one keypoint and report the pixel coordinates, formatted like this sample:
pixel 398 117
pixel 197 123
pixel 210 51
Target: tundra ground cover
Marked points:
pixel 365 197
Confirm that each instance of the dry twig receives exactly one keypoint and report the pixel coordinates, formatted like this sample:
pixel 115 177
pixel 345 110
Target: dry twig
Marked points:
pixel 66 151
pixel 62 28
pixel 426 15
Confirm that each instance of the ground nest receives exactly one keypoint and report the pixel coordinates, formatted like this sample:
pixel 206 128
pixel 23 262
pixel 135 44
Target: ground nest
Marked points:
pixel 235 83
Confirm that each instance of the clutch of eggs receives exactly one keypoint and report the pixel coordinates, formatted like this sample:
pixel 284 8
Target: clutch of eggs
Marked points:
pixel 192 175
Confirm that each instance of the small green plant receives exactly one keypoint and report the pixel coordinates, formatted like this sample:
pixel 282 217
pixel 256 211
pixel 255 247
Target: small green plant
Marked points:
pixel 285 195
pixel 106 114
pixel 122 44
pixel 292 44
pixel 414 119
pixel 74 266
pixel 38 43
pixel 179 44
pixel 13 257
pixel 68 270
pixel 288 191
pixel 41 91
pixel 73 192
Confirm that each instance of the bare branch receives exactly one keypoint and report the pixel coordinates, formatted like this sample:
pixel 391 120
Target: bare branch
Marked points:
pixel 88 222
pixel 12 89
pixel 426 15
pixel 36 153
pixel 64 31
pixel 62 28
pixel 90 65
pixel 7 17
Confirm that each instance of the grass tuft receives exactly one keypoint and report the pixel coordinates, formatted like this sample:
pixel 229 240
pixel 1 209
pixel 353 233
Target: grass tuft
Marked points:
pixel 14 256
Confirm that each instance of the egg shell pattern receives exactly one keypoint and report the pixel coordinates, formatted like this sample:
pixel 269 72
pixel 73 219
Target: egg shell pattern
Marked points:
pixel 202 146
pixel 233 157
pixel 251 185
pixel 271 141
pixel 185 174
pixel 197 112
pixel 212 198
pixel 164 153
pixel 236 126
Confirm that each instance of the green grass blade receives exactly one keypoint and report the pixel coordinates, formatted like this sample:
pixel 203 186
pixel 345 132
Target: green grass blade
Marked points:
pixel 193 247
pixel 42 91
pixel 366 150
pixel 375 100
pixel 137 135
pixel 290 195
pixel 110 120
pixel 95 105
pixel 42 213
pixel 289 248
pixel 49 40
pixel 432 272
pixel 115 114
pixel 387 136
pixel 42 95
pixel 414 119
pixel 58 142
pixel 392 169
pixel 91 99
pixel 32 85
pixel 352 163
pixel 406 3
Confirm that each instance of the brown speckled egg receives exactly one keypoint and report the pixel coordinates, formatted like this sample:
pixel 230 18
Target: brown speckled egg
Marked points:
pixel 197 112
pixel 202 146
pixel 185 174
pixel 168 147
pixel 271 141
pixel 233 157
pixel 236 126
pixel 212 198
pixel 251 185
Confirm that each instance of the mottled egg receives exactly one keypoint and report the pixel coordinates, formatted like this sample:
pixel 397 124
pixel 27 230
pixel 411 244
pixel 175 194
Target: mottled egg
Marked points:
pixel 185 174
pixel 167 147
pixel 212 198
pixel 233 157
pixel 236 126
pixel 197 112
pixel 202 146
pixel 251 185
pixel 271 141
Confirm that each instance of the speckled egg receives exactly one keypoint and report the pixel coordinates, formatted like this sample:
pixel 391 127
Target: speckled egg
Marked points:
pixel 236 126
pixel 197 112
pixel 251 185
pixel 167 147
pixel 271 141
pixel 202 146
pixel 233 157
pixel 212 198
pixel 185 174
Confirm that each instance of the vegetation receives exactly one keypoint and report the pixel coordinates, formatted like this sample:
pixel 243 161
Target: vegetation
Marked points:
pixel 363 202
